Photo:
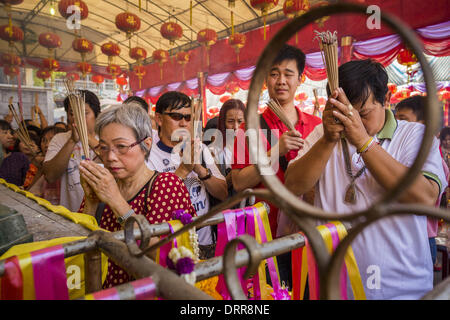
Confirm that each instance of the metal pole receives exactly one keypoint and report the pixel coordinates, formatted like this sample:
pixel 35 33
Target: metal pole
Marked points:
pixel 93 271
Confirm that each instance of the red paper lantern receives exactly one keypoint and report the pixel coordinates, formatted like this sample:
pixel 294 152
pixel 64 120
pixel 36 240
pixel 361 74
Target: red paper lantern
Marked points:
pixel 50 64
pixel 171 31
pixel 183 58
pixel 9 3
pixel 302 96
pixel 128 23
pixel 97 79
pixel 11 71
pixel 237 41
pixel 83 46
pixel 121 81
pixel 264 6
pixel 138 53
pixel 207 37
pixel 84 68
pixel 43 74
pixel 11 59
pixel 392 87
pixel 295 8
pixel 406 58
pixel 114 70
pixel 160 56
pixel 73 76
pixel 110 49
pixel 11 34
pixel 49 40
pixel 63 8
pixel 232 88
pixel 225 99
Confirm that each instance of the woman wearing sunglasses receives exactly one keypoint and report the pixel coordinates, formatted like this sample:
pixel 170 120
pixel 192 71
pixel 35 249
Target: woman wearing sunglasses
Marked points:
pixel 125 185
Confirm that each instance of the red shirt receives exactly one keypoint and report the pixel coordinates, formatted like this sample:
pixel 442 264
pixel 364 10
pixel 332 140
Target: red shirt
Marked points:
pixel 306 123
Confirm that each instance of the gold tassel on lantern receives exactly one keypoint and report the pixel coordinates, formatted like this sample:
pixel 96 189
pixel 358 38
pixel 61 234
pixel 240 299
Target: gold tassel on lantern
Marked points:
pixel 190 14
pixel 232 23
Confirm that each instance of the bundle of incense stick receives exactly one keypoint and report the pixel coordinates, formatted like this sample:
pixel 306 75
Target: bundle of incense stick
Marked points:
pixel 22 131
pixel 275 106
pixel 316 102
pixel 196 112
pixel 77 104
pixel 329 48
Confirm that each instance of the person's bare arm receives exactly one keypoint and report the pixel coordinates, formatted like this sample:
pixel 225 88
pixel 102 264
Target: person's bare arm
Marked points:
pixel 54 168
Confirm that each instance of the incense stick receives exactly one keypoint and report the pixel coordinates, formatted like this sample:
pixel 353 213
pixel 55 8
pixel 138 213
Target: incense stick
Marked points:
pixel 22 131
pixel 78 106
pixel 329 48
pixel 275 106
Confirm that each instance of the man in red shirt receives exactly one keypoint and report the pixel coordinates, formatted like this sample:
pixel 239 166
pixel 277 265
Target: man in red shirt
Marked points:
pixel 282 82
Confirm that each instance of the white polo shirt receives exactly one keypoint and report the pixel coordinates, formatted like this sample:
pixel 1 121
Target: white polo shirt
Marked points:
pixel 162 159
pixel 393 254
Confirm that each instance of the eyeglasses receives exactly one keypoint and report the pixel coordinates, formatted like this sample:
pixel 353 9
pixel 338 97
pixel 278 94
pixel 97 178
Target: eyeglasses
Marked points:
pixel 178 116
pixel 119 149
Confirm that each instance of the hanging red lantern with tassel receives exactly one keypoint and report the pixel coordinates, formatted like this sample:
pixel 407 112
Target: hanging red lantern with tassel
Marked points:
pixel 50 64
pixel 84 68
pixel 160 56
pixel 97 79
pixel 82 46
pixel 43 74
pixel 11 34
pixel 110 49
pixel 295 8
pixel 73 76
pixel 321 21
pixel 183 58
pixel 139 54
pixel 264 6
pixel 114 70
pixel 207 38
pixel 50 41
pixel 11 71
pixel 65 12
pixel 128 23
pixel 407 58
pixel 10 59
pixel 171 31
pixel 237 41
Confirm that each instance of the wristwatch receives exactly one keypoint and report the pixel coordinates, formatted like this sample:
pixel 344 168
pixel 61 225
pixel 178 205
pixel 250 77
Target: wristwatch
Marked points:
pixel 121 220
pixel 209 175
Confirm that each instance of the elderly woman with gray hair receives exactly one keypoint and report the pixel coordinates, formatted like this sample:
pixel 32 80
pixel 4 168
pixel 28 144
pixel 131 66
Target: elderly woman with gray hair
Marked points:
pixel 125 185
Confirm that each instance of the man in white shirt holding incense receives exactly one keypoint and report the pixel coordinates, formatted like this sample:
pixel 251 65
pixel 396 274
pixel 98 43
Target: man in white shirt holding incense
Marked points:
pixel 351 174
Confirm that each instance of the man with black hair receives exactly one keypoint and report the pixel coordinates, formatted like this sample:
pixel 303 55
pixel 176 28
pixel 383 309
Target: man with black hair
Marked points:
pixel 139 100
pixel 350 174
pixel 64 153
pixel 173 116
pixel 411 109
pixel 282 82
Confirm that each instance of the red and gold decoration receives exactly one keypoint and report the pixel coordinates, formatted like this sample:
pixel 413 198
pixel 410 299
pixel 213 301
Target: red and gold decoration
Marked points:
pixel 114 70
pixel 50 64
pixel 237 41
pixel 183 58
pixel 43 74
pixel 207 38
pixel 161 56
pixel 140 72
pixel 7 5
pixel 63 6
pixel 128 23
pixel 11 34
pixel 84 68
pixel 82 46
pixel 110 49
pixel 11 71
pixel 407 58
pixel 400 95
pixel 171 31
pixel 295 8
pixel 73 76
pixel 139 54
pixel 264 6
pixel 302 96
pixel 321 21
pixel 392 88
pixel 11 59
pixel 50 41
pixel 346 49
pixel 97 79
pixel 232 88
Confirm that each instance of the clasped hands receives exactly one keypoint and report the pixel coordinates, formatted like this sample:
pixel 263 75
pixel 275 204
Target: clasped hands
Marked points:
pixel 98 183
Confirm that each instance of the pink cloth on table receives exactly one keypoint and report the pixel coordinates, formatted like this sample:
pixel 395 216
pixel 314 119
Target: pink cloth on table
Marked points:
pixel 432 224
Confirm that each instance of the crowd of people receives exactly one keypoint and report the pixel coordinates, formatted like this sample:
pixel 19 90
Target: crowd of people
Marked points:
pixel 143 165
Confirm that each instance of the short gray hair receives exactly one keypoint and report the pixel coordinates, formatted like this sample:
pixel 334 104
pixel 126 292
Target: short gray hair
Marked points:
pixel 129 115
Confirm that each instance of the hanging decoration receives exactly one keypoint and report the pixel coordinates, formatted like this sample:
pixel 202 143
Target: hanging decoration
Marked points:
pixel 302 96
pixel 11 59
pixel 237 41
pixel 7 6
pixel 63 8
pixel 73 76
pixel 295 8
pixel 110 49
pixel 128 23
pixel 11 71
pixel 161 56
pixel 114 70
pixel 50 64
pixel 406 58
pixel 231 3
pixel 232 88
pixel 321 21
pixel 82 46
pixel 264 6
pixel 140 72
pixel 11 34
pixel 84 68
pixel 43 74
pixel 183 58
pixel 49 40
pixel 139 54
pixel 97 79
pixel 207 38
pixel 392 88
pixel 171 31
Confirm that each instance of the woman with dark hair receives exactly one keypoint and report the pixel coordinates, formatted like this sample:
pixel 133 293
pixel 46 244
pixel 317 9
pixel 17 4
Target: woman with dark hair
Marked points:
pixel 13 165
pixel 34 155
pixel 63 157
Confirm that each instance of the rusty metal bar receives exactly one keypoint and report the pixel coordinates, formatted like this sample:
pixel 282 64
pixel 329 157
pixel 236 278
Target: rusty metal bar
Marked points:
pixel 93 271
pixel 440 292
pixel 169 284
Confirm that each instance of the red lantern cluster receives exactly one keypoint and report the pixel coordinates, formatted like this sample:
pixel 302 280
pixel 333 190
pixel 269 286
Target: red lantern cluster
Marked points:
pixel 11 71
pixel 264 6
pixel 406 58
pixel 63 8
pixel 294 8
pixel 43 74
pixel 171 31
pixel 84 68
pixel 11 34
pixel 49 40
pixel 114 70
pixel 138 53
pixel 237 41
pixel 121 81
pixel 128 23
pixel 11 59
pixel 50 64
